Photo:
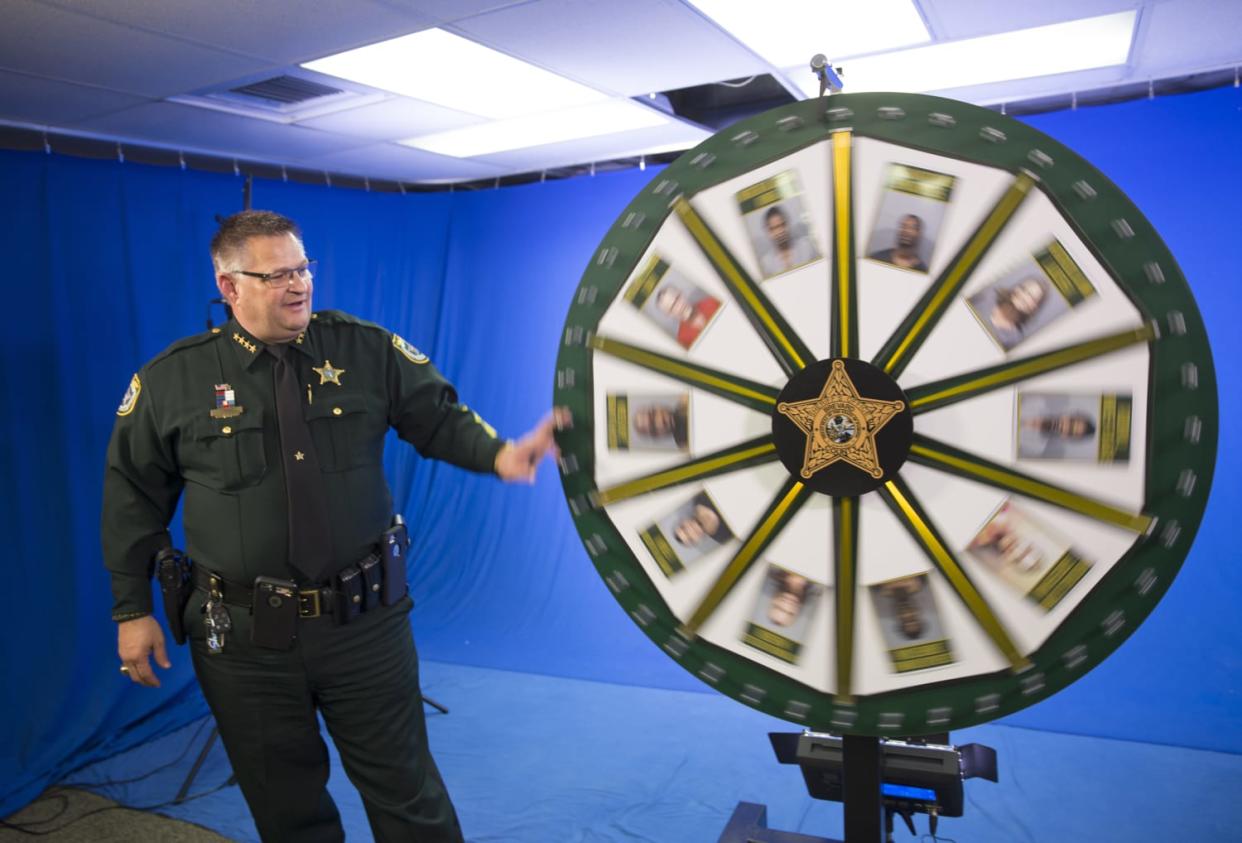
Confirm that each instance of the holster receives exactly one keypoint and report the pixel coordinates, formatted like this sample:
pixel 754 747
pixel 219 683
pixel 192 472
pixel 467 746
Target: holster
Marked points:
pixel 173 569
pixel 394 546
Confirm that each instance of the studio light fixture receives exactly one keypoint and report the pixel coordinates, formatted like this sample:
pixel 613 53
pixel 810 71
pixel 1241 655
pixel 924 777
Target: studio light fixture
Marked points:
pixel 603 118
pixel 1084 44
pixel 439 67
pixel 786 33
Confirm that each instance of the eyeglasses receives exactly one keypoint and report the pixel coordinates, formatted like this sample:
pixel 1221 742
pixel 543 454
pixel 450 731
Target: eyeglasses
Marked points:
pixel 282 277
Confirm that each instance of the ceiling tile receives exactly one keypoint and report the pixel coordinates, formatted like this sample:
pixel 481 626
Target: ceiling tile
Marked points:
pixel 286 31
pixel 955 19
pixel 1188 35
pixel 276 31
pixel 58 44
pixel 1017 90
pixel 626 48
pixel 448 10
pixel 391 161
pixel 393 119
pixel 604 148
pixel 32 99
pixel 189 128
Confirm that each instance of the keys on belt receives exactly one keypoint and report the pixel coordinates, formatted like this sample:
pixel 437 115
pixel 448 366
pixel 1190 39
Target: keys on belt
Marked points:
pixel 216 618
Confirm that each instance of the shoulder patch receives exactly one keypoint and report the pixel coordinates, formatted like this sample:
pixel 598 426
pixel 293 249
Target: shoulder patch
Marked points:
pixel 131 397
pixel 411 353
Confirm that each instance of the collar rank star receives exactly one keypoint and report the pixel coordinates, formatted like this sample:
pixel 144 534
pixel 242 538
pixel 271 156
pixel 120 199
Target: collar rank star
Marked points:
pixel 840 425
pixel 226 403
pixel 245 343
pixel 327 373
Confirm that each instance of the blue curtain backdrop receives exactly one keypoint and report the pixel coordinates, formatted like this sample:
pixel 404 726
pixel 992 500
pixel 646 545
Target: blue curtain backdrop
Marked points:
pixel 106 264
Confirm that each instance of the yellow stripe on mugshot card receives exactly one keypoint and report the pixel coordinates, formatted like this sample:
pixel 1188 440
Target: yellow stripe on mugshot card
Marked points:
pixel 641 287
pixel 931 654
pixel 660 551
pixel 1063 587
pixel 1054 575
pixel 773 643
pixel 918 182
pixel 768 192
pixel 1115 415
pixel 618 423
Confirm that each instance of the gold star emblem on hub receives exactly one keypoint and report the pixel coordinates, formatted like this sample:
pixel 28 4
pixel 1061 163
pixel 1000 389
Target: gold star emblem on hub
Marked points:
pixel 840 425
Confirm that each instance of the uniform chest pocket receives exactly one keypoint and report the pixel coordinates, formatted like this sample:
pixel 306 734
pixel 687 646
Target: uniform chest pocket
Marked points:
pixel 346 435
pixel 227 454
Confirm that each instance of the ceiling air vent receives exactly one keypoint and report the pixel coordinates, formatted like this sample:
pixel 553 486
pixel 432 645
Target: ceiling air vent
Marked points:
pixel 287 90
pixel 281 99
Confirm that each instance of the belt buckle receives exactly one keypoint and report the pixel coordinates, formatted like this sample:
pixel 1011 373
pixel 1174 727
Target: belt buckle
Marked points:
pixel 310 603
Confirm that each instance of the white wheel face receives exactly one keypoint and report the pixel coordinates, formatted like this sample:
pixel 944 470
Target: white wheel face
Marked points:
pixel 1023 349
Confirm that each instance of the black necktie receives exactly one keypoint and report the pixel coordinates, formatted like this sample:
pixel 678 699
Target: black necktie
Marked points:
pixel 310 534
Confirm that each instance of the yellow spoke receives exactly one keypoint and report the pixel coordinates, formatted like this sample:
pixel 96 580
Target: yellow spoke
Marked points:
pixel 783 507
pixel 918 324
pixel 929 452
pixel 845 561
pixel 844 301
pixel 932 396
pixel 740 390
pixel 753 452
pixel 902 502
pixel 790 352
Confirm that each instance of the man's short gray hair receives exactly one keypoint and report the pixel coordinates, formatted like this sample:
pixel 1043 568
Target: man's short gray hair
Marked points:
pixel 236 230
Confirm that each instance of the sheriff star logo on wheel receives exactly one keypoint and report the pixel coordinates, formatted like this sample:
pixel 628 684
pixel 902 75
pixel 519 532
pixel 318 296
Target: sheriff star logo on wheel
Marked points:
pixel 840 425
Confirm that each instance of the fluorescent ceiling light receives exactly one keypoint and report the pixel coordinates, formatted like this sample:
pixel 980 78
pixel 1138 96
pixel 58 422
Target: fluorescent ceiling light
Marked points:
pixel 787 33
pixel 442 68
pixel 1083 44
pixel 535 130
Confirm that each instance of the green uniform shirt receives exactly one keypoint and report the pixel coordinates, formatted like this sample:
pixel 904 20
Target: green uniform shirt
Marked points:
pixel 167 442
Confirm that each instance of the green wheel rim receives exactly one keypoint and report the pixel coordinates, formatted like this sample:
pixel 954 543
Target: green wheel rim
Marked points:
pixel 1178 447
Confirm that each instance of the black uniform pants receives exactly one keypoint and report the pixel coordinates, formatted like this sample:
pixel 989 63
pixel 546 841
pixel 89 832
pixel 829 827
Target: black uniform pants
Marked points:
pixel 363 677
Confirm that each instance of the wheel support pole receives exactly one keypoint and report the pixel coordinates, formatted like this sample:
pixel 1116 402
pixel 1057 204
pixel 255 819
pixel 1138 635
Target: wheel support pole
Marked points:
pixel 864 820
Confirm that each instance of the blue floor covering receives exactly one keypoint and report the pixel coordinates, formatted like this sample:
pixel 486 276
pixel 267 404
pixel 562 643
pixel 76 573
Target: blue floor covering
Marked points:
pixel 533 758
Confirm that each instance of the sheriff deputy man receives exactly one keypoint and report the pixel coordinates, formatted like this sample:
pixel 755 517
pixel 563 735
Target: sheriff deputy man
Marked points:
pixel 270 431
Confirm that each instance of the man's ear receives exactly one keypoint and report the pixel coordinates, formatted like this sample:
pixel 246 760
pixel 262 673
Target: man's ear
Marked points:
pixel 227 287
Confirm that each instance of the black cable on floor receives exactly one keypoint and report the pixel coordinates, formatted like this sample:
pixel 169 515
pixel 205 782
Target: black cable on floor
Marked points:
pixel 149 773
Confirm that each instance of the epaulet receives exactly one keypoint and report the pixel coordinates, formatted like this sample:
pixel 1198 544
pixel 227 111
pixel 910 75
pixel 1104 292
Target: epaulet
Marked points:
pixel 187 342
pixel 336 317
pixel 340 317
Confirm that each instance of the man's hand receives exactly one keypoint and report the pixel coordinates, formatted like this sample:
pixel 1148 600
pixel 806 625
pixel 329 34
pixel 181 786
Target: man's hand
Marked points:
pixel 135 641
pixel 519 461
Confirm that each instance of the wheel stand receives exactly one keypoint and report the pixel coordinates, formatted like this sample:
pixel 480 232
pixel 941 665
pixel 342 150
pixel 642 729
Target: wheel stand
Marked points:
pixel 864 810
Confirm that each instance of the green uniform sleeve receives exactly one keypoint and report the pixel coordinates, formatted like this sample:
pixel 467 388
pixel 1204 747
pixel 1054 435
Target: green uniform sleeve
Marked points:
pixel 141 489
pixel 423 409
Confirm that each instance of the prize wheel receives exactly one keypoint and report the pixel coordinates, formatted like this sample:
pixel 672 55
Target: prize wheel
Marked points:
pixel 891 415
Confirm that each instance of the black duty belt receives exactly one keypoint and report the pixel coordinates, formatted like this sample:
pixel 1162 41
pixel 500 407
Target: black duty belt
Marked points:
pixel 312 602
